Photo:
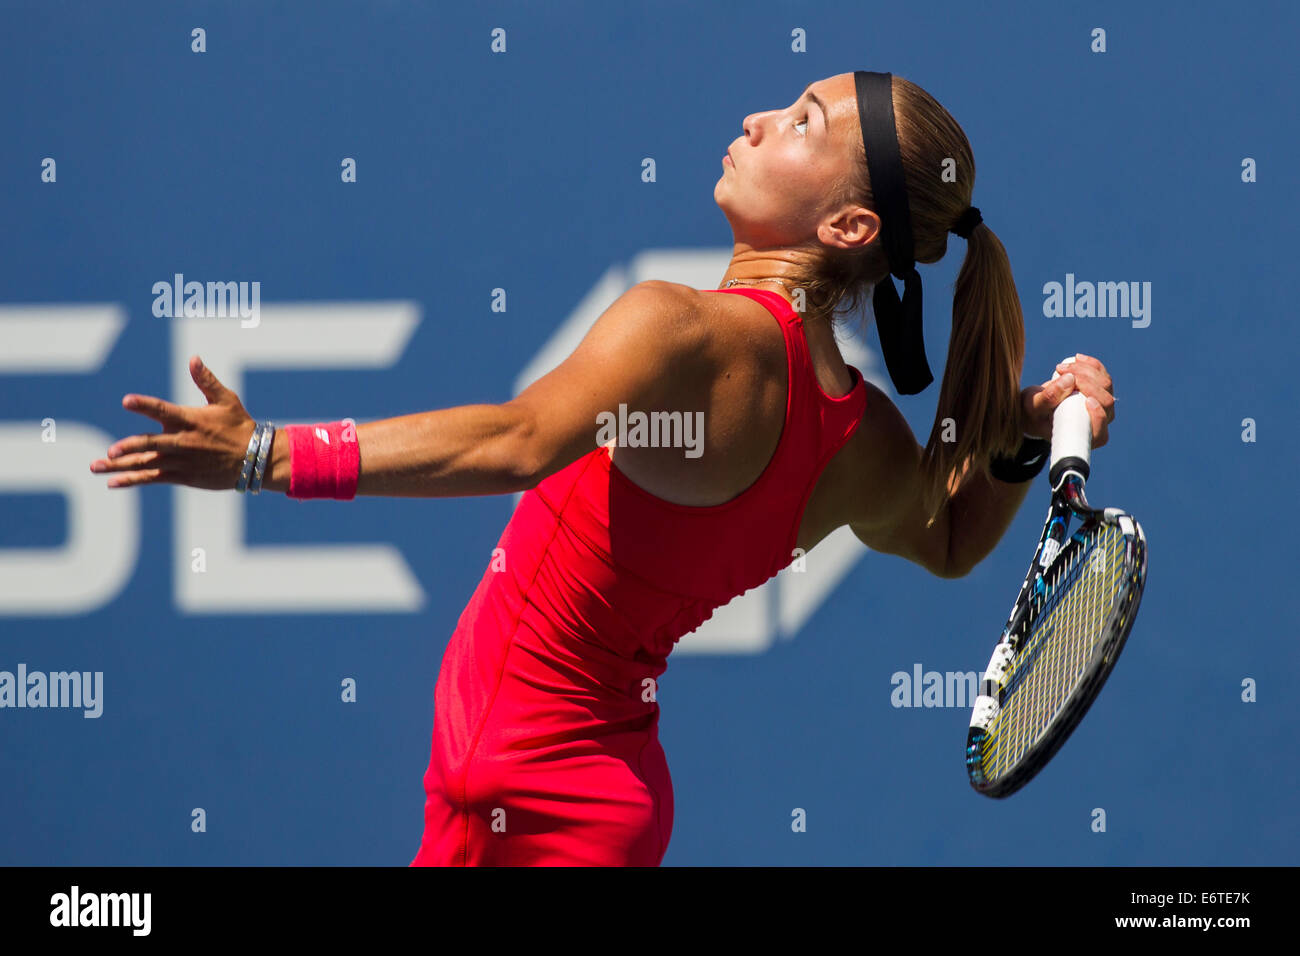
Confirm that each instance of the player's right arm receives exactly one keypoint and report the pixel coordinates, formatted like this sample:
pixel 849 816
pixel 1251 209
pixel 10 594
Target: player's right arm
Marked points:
pixel 890 514
pixel 886 508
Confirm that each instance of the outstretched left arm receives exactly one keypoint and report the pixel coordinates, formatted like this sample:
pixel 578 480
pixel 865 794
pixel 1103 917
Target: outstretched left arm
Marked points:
pixel 639 352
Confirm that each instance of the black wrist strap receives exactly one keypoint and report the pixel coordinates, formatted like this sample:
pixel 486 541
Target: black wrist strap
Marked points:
pixel 1027 462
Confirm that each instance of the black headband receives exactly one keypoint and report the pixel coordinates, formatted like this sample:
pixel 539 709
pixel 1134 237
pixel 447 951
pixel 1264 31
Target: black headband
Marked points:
pixel 899 323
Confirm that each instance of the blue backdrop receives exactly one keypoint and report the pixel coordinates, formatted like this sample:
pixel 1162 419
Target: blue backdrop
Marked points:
pixel 1166 159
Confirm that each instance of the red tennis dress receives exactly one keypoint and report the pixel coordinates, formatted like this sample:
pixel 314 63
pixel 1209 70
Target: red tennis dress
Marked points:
pixel 545 733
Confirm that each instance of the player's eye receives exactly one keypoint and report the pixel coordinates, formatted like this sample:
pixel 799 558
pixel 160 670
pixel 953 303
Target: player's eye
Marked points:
pixel 804 123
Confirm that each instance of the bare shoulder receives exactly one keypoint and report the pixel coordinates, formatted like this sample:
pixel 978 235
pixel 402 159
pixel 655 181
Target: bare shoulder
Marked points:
pixel 675 306
pixel 685 292
pixel 676 309
pixel 673 295
pixel 642 351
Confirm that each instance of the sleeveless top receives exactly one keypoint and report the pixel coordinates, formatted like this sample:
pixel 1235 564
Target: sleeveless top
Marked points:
pixel 593 560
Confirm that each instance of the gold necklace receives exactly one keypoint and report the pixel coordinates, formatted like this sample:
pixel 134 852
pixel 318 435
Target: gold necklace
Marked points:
pixel 731 282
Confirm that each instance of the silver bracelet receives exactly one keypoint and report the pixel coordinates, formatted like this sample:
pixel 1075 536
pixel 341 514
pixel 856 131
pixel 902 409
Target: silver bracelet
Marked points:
pixel 263 456
pixel 250 459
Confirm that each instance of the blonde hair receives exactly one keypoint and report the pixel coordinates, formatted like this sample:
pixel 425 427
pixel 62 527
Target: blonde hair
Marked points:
pixel 980 390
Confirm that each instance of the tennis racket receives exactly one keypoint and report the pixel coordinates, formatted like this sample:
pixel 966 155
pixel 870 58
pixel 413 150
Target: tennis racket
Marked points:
pixel 1069 623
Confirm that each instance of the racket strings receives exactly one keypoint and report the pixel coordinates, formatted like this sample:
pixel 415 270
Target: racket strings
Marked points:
pixel 1065 636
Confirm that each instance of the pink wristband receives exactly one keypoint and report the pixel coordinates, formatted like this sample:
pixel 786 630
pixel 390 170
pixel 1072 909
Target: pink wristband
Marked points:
pixel 321 463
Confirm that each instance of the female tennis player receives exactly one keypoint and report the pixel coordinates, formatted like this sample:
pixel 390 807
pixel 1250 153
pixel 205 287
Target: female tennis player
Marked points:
pixel 545 742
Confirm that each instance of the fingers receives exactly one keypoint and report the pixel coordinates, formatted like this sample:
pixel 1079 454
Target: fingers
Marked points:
pixel 1088 360
pixel 212 389
pixel 1088 365
pixel 135 456
pixel 1100 429
pixel 124 462
pixel 128 468
pixel 165 413
pixel 175 416
pixel 141 443
pixel 1044 398
pixel 1086 375
pixel 1105 402
pixel 137 478
pixel 132 469
pixel 1061 386
pixel 1093 381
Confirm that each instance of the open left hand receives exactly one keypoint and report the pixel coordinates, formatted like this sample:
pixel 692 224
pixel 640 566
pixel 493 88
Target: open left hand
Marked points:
pixel 202 447
pixel 1085 374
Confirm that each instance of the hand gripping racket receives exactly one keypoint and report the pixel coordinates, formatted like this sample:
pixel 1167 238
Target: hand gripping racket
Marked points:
pixel 1067 627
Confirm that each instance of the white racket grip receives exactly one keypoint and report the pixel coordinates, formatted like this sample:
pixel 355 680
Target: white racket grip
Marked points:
pixel 1071 435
